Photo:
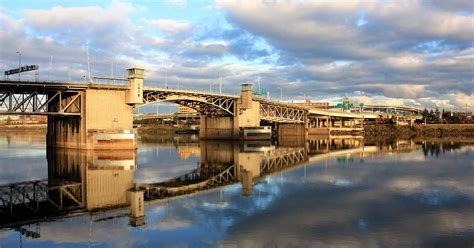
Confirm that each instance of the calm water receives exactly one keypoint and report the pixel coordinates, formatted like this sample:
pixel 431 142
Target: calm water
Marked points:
pixel 317 193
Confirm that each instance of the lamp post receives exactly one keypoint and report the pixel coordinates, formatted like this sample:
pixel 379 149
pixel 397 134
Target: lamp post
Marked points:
pixel 166 77
pixel 19 64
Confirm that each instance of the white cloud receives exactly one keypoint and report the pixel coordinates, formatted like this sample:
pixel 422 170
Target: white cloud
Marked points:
pixel 169 25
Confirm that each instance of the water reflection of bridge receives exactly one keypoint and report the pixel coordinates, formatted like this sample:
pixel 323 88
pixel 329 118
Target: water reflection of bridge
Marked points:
pixel 80 181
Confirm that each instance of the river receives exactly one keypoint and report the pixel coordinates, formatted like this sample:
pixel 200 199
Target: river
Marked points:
pixel 321 192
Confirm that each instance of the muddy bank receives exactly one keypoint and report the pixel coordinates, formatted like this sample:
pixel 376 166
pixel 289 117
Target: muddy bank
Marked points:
pixel 431 130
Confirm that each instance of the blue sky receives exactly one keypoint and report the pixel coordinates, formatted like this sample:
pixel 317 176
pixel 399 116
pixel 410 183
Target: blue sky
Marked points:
pixel 416 53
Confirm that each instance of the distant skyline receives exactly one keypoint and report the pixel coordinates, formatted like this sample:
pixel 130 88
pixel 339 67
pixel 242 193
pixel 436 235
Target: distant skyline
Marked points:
pixel 412 53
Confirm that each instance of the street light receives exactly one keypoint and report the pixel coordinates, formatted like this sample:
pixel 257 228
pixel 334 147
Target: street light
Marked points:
pixel 19 64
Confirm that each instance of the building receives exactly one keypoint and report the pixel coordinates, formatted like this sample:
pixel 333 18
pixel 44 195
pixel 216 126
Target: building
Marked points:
pixel 311 104
pixel 186 110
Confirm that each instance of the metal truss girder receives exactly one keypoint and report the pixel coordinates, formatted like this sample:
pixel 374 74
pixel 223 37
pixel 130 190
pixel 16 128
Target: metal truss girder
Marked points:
pixel 282 114
pixel 40 103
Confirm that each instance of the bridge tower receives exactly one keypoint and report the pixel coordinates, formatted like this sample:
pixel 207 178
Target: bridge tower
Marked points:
pixel 135 82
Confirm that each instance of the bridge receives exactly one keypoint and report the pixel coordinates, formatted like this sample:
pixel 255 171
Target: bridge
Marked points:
pixel 100 116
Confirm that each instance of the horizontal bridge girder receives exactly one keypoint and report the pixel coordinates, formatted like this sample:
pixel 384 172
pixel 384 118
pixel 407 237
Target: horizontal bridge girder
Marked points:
pixel 67 103
pixel 282 113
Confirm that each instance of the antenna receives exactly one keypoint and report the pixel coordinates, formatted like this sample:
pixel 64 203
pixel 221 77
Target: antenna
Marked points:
pixel 88 64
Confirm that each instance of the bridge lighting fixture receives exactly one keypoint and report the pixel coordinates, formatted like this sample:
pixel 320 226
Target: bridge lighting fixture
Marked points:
pixel 19 64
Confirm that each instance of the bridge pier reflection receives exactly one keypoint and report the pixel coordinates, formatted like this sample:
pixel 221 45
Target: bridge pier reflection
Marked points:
pixel 78 181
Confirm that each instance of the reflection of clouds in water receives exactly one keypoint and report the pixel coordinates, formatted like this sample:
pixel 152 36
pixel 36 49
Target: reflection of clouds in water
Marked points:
pixel 169 223
pixel 160 164
pixel 342 183
pixel 23 166
pixel 79 231
pixel 382 202
pixel 389 220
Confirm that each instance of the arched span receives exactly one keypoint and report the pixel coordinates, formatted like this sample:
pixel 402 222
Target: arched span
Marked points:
pixel 210 105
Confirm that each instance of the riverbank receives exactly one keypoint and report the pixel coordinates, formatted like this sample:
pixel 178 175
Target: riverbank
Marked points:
pixel 430 130
pixel 162 129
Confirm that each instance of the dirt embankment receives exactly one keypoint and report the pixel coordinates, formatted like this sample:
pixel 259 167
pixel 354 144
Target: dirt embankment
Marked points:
pixel 431 130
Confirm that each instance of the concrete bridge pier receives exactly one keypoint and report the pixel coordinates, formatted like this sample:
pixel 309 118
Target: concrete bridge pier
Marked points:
pixel 105 120
pixel 243 125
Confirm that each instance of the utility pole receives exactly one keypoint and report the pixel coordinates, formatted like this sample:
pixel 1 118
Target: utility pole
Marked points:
pixel 50 66
pixel 19 64
pixel 166 77
pixel 112 72
pixel 258 83
pixel 88 64
pixel 220 84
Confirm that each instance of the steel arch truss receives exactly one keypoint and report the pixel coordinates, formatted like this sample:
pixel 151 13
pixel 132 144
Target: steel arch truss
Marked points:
pixel 207 104
pixel 282 113
pixel 40 103
pixel 280 162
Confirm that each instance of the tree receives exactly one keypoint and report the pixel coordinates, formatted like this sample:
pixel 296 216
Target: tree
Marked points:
pixel 437 115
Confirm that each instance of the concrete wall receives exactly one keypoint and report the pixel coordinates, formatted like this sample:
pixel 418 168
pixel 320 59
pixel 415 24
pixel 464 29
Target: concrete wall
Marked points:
pixel 292 130
pixel 106 122
pixel 250 117
pixel 107 109
pixel 217 128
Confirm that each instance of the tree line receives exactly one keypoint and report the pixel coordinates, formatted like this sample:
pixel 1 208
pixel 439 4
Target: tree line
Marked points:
pixel 445 117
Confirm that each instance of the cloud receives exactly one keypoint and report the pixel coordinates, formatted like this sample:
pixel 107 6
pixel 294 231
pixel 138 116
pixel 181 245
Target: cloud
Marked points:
pixel 176 3
pixel 415 52
pixel 411 50
pixel 169 26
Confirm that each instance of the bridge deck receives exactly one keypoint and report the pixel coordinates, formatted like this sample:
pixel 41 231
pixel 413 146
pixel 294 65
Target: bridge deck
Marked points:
pixel 51 86
pixel 341 114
